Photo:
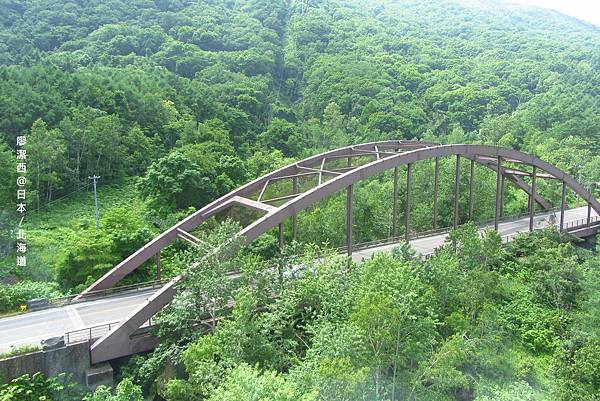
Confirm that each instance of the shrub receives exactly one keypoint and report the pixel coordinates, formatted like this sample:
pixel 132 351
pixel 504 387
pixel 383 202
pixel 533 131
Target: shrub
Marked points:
pixel 14 295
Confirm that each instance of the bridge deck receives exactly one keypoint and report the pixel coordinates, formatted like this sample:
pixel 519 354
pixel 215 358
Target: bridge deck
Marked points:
pixel 31 328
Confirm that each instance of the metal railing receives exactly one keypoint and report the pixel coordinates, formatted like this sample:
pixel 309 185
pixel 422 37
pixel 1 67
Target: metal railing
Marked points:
pixel 95 332
pixel 568 226
pixel 94 295
pixel 428 233
pixel 580 223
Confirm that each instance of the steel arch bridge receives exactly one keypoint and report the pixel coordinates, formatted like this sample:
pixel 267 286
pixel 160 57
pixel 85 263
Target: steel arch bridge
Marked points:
pixel 352 164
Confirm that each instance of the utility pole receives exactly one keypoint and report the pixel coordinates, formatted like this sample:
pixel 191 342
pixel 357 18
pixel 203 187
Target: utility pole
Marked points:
pixel 95 178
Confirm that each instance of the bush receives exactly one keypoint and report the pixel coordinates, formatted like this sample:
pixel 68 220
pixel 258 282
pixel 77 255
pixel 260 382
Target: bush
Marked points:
pixel 15 295
pixel 38 388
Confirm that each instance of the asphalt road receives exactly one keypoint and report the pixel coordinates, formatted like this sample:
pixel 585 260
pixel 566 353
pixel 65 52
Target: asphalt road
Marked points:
pixel 427 245
pixel 31 328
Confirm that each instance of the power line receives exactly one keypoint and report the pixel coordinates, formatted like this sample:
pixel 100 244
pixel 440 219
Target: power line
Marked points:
pixel 61 198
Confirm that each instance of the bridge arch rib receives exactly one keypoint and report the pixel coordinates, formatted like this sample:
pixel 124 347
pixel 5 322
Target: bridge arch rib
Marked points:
pixel 386 158
pixel 340 182
pixel 118 343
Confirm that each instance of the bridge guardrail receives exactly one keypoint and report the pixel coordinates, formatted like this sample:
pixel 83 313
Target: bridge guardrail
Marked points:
pixel 95 332
pixel 423 234
pixel 67 300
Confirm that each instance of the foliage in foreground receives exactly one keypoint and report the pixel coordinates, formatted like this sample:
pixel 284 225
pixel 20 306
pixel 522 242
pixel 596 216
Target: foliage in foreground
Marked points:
pixel 474 322
pixel 39 388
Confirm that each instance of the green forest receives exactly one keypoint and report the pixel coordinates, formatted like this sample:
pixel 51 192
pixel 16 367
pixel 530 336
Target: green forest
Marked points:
pixel 174 103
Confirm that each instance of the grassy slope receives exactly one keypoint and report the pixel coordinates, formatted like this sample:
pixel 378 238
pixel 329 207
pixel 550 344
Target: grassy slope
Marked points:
pixel 52 229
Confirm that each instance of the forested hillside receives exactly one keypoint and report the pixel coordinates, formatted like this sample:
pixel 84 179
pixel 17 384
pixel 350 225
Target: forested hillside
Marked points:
pixel 176 102
pixel 198 97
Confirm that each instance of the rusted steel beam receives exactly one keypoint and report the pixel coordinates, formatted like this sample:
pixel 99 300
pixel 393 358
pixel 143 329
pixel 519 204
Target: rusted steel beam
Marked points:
pixel 295 216
pixel 493 159
pixel 117 342
pixel 281 238
pixel 532 198
pixel 498 192
pixel 436 191
pixel 502 195
pixel 158 266
pixel 374 153
pixel 320 171
pixel 515 179
pixel 280 198
pixel 395 205
pixel 510 171
pixel 262 191
pixel 363 153
pixel 471 188
pixel 457 192
pixel 408 206
pixel 252 204
pixel 349 218
pixel 292 176
pixel 188 237
pixel 562 205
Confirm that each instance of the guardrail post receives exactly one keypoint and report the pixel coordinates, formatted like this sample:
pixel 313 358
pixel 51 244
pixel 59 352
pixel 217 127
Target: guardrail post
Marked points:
pixel 589 213
pixel 457 192
pixel 436 189
pixel 562 205
pixel 532 199
pixel 408 201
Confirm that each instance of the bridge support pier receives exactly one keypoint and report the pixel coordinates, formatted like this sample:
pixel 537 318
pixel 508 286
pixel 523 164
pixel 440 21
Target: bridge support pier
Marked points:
pixel 532 198
pixel 563 201
pixel 457 192
pixel 498 198
pixel 436 190
pixel 408 205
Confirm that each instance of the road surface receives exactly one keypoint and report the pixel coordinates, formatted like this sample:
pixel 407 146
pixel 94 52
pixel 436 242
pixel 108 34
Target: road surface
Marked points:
pixel 31 328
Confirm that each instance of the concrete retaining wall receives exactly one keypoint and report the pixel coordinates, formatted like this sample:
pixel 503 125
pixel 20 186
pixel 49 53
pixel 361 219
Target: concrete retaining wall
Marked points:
pixel 73 359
